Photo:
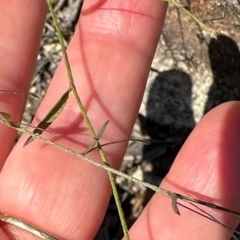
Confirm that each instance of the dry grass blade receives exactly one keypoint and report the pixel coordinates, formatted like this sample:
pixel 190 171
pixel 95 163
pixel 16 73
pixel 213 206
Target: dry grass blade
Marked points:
pixel 26 226
pixel 203 26
pixel 87 120
pixel 95 141
pixel 207 204
pixel 19 92
pixel 51 116
pixel 210 217
pixel 144 141
pixel 5 119
pixel 173 197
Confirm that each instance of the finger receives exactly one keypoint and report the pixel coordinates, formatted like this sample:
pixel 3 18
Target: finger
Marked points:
pixel 3 236
pixel 21 29
pixel 206 168
pixel 110 54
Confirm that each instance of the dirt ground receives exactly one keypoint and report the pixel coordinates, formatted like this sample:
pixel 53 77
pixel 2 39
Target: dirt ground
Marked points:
pixel 190 74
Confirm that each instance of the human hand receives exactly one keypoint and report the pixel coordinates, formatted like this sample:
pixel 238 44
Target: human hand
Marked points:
pixel 110 55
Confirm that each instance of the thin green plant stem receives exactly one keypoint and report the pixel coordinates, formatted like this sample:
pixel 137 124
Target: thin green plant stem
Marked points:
pixel 4 118
pixel 88 122
pixel 206 28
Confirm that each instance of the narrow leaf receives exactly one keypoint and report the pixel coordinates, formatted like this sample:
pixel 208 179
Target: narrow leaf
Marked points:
pixel 95 141
pixel 51 116
pixel 144 141
pixel 5 118
pixel 19 92
pixel 30 126
pixel 174 198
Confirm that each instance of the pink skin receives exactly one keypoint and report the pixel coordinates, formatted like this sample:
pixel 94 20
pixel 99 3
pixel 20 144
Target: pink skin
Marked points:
pixel 110 54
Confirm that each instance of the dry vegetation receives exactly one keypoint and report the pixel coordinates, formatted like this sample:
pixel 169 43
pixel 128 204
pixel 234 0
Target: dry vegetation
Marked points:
pixel 198 71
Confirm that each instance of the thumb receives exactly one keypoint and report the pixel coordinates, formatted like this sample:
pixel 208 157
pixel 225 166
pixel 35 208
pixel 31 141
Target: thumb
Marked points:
pixel 207 168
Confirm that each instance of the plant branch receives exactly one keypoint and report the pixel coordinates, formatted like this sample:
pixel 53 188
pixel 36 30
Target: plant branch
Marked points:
pixel 4 118
pixel 88 122
pixel 206 28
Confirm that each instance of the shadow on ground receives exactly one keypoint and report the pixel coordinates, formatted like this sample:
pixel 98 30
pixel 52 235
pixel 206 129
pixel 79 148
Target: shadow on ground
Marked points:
pixel 169 120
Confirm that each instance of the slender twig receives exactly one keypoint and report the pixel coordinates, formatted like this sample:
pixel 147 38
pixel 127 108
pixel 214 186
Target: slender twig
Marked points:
pixel 206 28
pixel 88 122
pixel 26 226
pixel 209 217
pixel 19 92
pixel 174 196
